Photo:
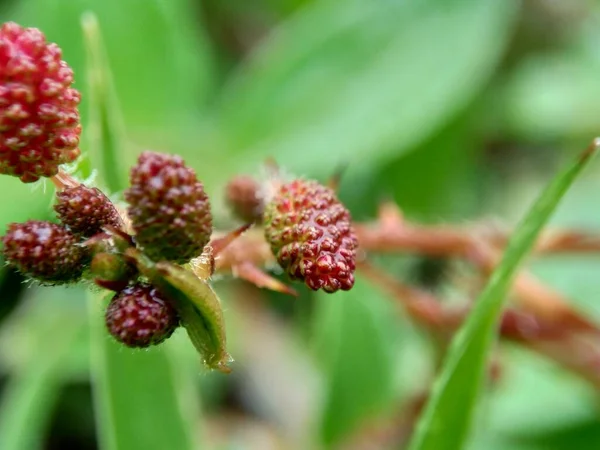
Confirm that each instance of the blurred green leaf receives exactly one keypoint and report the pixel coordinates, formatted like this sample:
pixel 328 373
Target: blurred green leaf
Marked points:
pixel 424 190
pixel 442 425
pixel 105 133
pixel 138 399
pixel 27 201
pixel 41 333
pixel 510 419
pixel 356 340
pixel 345 79
pixel 549 97
pixel 158 53
pixel 197 304
pixel 584 434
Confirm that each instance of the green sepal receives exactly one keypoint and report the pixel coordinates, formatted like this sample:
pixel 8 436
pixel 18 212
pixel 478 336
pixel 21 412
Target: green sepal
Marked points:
pixel 198 306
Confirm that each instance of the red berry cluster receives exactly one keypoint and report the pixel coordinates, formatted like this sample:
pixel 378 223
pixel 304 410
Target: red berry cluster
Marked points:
pixel 56 253
pixel 168 217
pixel 39 121
pixel 310 233
pixel 86 211
pixel 308 229
pixel 44 251
pixel 168 208
pixel 171 220
pixel 139 316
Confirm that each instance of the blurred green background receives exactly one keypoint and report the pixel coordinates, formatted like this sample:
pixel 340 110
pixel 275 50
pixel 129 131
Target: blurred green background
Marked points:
pixel 456 109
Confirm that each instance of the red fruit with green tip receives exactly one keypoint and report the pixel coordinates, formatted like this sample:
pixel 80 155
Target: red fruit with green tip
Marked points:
pixel 44 251
pixel 39 121
pixel 310 234
pixel 139 316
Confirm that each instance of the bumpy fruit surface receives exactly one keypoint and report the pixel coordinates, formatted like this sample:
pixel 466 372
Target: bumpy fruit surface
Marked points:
pixel 242 194
pixel 44 251
pixel 310 233
pixel 85 211
pixel 39 121
pixel 169 210
pixel 139 316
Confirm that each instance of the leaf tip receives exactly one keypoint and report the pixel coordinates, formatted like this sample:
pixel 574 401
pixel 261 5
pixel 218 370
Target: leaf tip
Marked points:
pixel 89 22
pixel 220 364
pixel 590 151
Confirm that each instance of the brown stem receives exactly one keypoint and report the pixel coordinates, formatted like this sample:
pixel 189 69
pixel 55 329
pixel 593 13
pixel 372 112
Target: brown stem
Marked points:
pixel 544 322
pixel 63 180
pixel 570 349
pixel 480 245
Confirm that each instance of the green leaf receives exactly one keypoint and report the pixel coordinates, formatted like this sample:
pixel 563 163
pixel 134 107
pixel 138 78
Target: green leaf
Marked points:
pixel 357 337
pixel 561 401
pixel 42 333
pixel 446 420
pixel 197 304
pixel 138 400
pixel 105 132
pixel 157 50
pixel 553 95
pixel 345 79
pixel 26 201
pixel 138 397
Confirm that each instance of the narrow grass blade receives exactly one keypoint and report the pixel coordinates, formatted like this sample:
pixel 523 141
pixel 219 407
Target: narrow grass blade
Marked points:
pixel 50 330
pixel 446 419
pixel 105 131
pixel 139 403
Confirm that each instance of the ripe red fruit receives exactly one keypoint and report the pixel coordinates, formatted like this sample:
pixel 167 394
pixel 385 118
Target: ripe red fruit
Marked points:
pixel 85 211
pixel 310 233
pixel 44 251
pixel 243 197
pixel 139 316
pixel 169 210
pixel 39 121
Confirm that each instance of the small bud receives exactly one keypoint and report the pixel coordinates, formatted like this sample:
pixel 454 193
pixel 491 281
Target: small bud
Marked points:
pixel 39 120
pixel 169 210
pixel 111 267
pixel 86 211
pixel 242 194
pixel 310 233
pixel 139 316
pixel 44 251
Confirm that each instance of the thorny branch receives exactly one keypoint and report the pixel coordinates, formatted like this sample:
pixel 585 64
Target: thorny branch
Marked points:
pixel 540 318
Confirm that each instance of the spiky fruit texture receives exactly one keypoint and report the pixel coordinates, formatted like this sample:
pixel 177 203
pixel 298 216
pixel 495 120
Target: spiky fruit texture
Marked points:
pixel 86 210
pixel 39 121
pixel 310 233
pixel 169 210
pixel 242 194
pixel 44 251
pixel 139 316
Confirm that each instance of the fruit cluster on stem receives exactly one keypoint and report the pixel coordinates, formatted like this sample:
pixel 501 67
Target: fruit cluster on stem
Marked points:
pixel 134 249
